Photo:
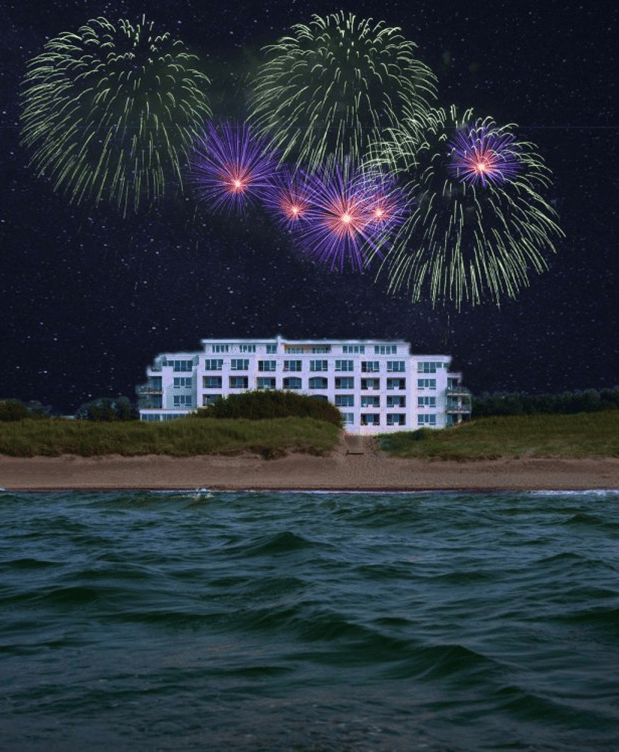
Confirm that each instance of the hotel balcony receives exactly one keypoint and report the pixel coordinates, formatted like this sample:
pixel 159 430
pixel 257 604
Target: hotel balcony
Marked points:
pixel 148 389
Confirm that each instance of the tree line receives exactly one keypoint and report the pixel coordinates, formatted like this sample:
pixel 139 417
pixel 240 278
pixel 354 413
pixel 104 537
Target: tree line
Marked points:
pixel 564 403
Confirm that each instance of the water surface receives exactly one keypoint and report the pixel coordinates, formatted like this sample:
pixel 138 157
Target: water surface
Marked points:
pixel 309 621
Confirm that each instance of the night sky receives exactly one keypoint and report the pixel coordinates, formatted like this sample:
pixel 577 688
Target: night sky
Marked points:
pixel 88 298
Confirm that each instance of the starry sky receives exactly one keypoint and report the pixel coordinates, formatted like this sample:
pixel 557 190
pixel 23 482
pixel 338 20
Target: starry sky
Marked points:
pixel 88 298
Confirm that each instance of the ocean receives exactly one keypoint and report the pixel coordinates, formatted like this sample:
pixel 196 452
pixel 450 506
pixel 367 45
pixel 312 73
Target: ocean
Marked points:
pixel 309 622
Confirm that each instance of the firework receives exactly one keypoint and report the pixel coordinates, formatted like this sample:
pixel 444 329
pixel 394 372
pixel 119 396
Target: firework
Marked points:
pixel 232 167
pixel 332 87
pixel 483 153
pixel 111 111
pixel 468 237
pixel 349 213
pixel 288 198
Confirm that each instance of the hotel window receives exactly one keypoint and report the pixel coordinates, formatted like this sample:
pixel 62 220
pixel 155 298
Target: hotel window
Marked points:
pixel 238 382
pixel 318 382
pixel 321 349
pixel 370 419
pixel 397 401
pixel 396 383
pixel 220 348
pixel 319 365
pixel 265 382
pixel 344 365
pixel 353 349
pixel 213 365
pixel 182 400
pixel 429 367
pixel 271 349
pixel 370 383
pixel 385 349
pixel 348 418
pixel 320 397
pixel 292 365
pixel 292 383
pixel 396 419
pixel 426 420
pixel 239 364
pixel 247 348
pixel 426 383
pixel 370 366
pixel 370 401
pixel 344 382
pixel 207 399
pixel 294 349
pixel 344 400
pixel 267 365
pixel 211 382
pixel 154 418
pixel 181 365
pixel 395 365
pixel 426 401
pixel 182 382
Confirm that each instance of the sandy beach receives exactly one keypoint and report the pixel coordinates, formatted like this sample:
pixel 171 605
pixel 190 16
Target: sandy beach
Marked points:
pixel 356 464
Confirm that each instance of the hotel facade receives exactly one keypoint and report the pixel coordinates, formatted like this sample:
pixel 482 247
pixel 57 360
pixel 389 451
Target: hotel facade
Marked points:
pixel 377 385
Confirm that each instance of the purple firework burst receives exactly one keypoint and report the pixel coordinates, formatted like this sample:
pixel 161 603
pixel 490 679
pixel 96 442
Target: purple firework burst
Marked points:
pixel 482 154
pixel 232 166
pixel 348 217
pixel 288 198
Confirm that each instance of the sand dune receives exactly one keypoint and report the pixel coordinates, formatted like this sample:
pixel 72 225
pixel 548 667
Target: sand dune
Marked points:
pixel 356 464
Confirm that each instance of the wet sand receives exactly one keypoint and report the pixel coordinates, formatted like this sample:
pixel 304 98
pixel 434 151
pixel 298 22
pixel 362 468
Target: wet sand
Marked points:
pixel 356 464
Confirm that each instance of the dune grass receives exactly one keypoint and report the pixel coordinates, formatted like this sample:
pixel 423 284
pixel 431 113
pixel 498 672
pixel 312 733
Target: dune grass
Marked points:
pixel 53 437
pixel 580 435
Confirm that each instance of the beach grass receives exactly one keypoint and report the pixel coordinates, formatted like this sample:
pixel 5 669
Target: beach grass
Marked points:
pixel 53 437
pixel 520 436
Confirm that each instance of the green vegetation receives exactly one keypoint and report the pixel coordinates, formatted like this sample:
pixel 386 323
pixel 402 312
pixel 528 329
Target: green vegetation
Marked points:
pixel 565 403
pixel 271 403
pixel 185 437
pixel 582 435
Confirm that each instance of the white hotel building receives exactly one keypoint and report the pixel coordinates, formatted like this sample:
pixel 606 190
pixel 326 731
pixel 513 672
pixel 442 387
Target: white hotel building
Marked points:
pixel 378 385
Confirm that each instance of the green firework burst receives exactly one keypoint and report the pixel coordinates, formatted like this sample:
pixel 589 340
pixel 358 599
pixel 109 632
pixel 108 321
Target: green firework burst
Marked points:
pixel 110 112
pixel 464 241
pixel 333 87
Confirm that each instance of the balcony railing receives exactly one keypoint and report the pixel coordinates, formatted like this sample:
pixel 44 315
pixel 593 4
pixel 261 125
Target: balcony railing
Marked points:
pixel 459 391
pixel 149 389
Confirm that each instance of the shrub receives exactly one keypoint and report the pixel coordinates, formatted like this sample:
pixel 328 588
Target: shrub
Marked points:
pixel 262 405
pixel 13 410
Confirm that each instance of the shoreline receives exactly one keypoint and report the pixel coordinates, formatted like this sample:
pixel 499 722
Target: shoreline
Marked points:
pixel 357 468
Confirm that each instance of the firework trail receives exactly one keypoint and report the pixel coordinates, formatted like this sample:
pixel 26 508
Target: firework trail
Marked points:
pixel 472 234
pixel 111 111
pixel 232 167
pixel 332 87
